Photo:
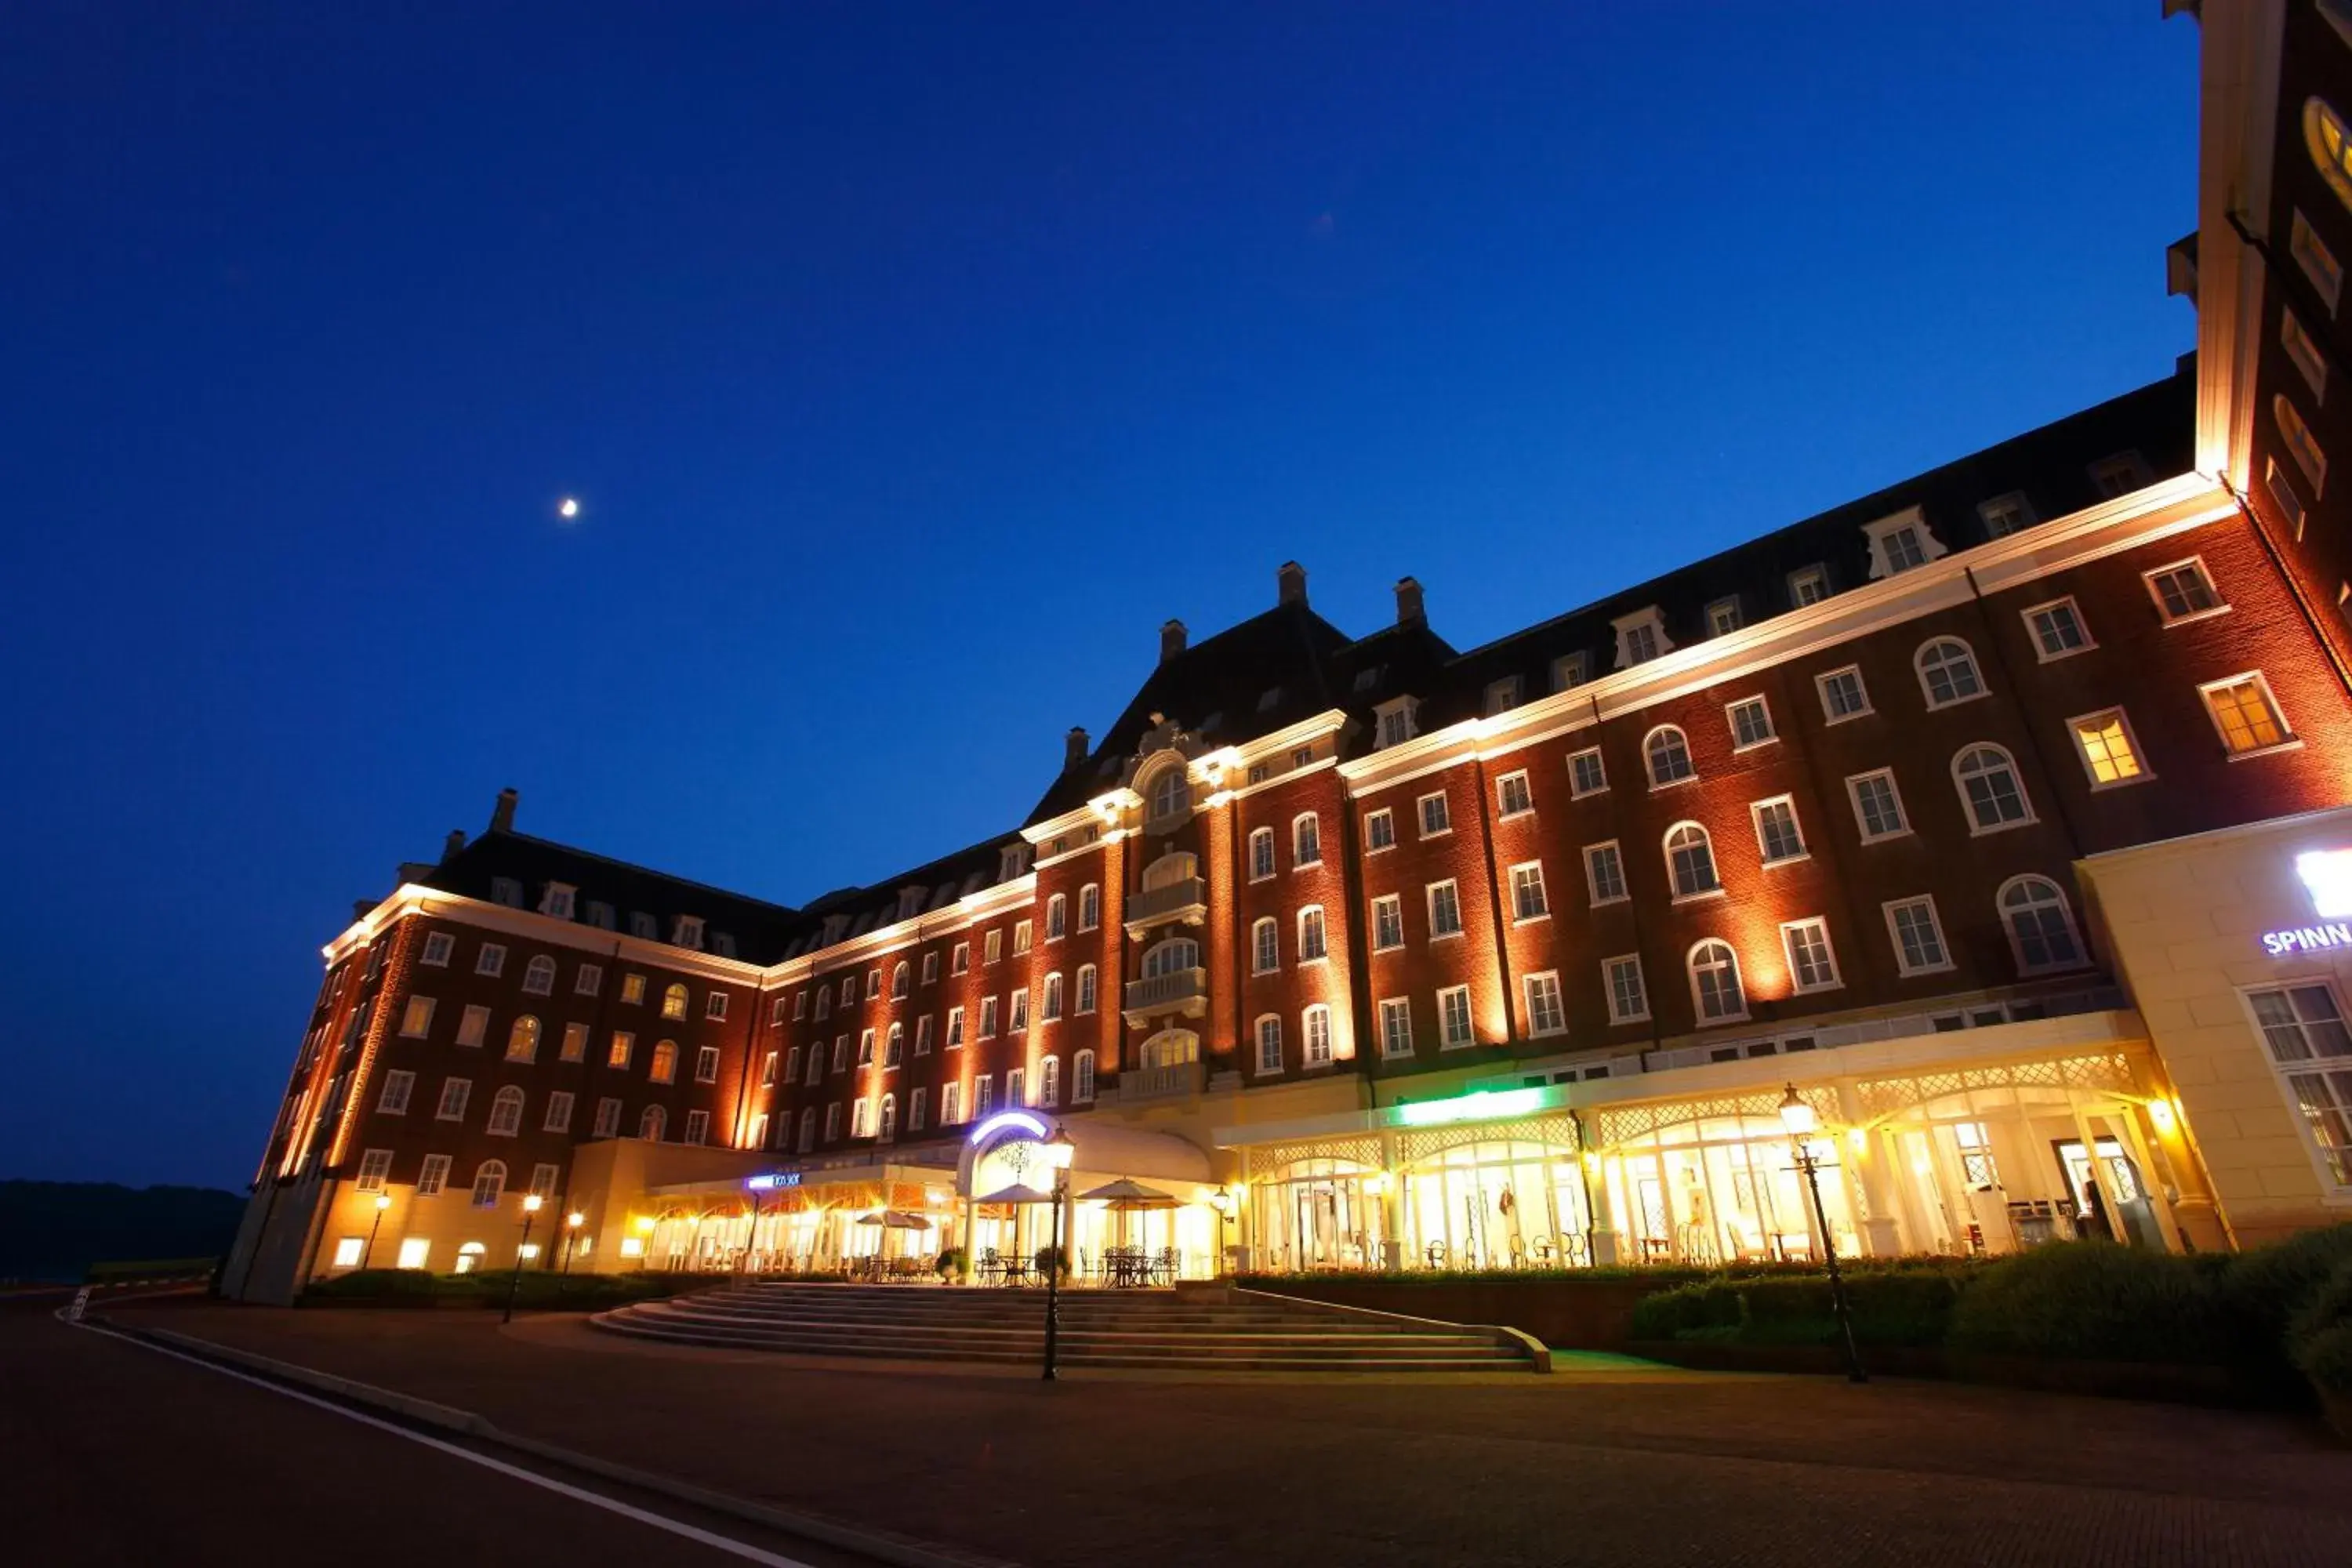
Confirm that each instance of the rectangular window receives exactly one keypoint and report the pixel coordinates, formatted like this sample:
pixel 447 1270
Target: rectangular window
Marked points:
pixel 923 1035
pixel 1445 910
pixel 866 1047
pixel 437 950
pixel 398 1086
pixel 1503 695
pixel 417 1020
pixel 992 946
pixel 1512 798
pixel 454 1092
pixel 1317 1051
pixel 2248 720
pixel 2004 515
pixel 1380 830
pixel 955 1027
pixel 472 1025
pixel 1629 998
pixel 587 980
pixel 633 989
pixel 1807 585
pixel 2318 263
pixel 1544 1014
pixel 2301 444
pixel 931 967
pixel 2103 740
pixel 375 1165
pixel 1454 1026
pixel 1751 724
pixel 984 1096
pixel 1843 695
pixel 1020 1008
pixel 988 1018
pixel 1571 669
pixel 350 1249
pixel 1020 939
pixel 1640 644
pixel 951 1104
pixel 1261 854
pixel 2310 1049
pixel 623 1044
pixel 575 1043
pixel 706 1065
pixel 1811 966
pixel 1877 808
pixel 833 1121
pixel 559 1111
pixel 1604 872
pixel 430 1178
pixel 1776 836
pixel 1434 818
pixel 1269 1045
pixel 959 961
pixel 2057 629
pixel 608 1119
pixel 1723 616
pixel 491 960
pixel 1388 923
pixel 1396 1027
pixel 1585 773
pixel 2304 352
pixel 1527 901
pixel 1310 934
pixel 697 1127
pixel 2183 592
pixel 1918 938
pixel 714 1006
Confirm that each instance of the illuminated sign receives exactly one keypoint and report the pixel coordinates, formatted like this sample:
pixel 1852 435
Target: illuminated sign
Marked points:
pixel 1003 1120
pixel 1480 1105
pixel 771 1181
pixel 2308 939
pixel 2327 874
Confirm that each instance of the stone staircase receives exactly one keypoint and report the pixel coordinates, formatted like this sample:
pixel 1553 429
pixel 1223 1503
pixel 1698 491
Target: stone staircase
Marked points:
pixel 1195 1329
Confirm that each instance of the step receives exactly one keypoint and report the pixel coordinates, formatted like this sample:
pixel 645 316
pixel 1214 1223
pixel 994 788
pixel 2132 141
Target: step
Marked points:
pixel 1079 1355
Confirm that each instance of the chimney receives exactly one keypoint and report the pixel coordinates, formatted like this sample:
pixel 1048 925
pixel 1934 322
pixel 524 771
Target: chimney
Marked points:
pixel 1290 583
pixel 1172 640
pixel 360 908
pixel 1409 611
pixel 1073 747
pixel 452 845
pixel 502 816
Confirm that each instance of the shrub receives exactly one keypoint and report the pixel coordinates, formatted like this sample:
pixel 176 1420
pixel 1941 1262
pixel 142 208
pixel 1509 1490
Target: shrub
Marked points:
pixel 2260 1293
pixel 2320 1338
pixel 1894 1305
pixel 2093 1302
pixel 1053 1258
pixel 950 1262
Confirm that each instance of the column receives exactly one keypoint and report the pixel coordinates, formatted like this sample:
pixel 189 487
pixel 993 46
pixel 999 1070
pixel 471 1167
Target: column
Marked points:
pixel 1604 1213
pixel 1880 1234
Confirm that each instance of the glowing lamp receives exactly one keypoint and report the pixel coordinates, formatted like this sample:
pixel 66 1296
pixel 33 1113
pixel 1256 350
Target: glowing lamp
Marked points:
pixel 644 1224
pixel 2327 874
pixel 575 1219
pixel 1797 1116
pixel 1859 1139
pixel 2164 1115
pixel 1059 1150
pixel 383 1201
pixel 1221 1201
pixel 530 1204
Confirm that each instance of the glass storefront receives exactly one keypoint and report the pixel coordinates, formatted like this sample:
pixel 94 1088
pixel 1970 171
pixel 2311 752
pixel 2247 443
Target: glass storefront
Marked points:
pixel 1494 1204
pixel 1721 1190
pixel 1318 1214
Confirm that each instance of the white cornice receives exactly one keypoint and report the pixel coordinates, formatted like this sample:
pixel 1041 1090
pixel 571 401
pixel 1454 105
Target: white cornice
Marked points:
pixel 2238 68
pixel 410 899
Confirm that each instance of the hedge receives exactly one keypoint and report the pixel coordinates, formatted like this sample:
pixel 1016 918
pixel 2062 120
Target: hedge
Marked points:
pixel 2094 1302
pixel 1901 1306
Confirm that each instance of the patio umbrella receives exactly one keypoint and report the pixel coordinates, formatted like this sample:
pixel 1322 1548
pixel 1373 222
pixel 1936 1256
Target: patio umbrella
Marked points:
pixel 1123 1196
pixel 1015 1193
pixel 895 1219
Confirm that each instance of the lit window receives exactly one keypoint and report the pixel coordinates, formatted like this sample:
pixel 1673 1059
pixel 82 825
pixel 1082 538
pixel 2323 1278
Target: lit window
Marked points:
pixel 1947 672
pixel 2057 629
pixel 416 1019
pixel 2041 929
pixel 1844 696
pixel 1629 998
pixel 1918 938
pixel 473 1025
pixel 2105 741
pixel 1586 775
pixel 1020 942
pixel 1546 1015
pixel 2330 146
pixel 1434 818
pixel 1988 787
pixel 1269 1045
pixel 2243 713
pixel 1777 835
pixel 348 1249
pixel 633 989
pixel 623 1044
pixel 992 946
pixel 1528 901
pixel 1811 966
pixel 1604 872
pixel 1454 1026
pixel 1396 1026
pixel 1380 830
pixel 415 1250
pixel 2311 1050
pixel 1388 923
pixel 1445 910
pixel 664 1063
pixel 1668 755
pixel 1690 862
pixel 1512 796
pixel 1751 723
pixel 523 1039
pixel 674 1002
pixel 1714 983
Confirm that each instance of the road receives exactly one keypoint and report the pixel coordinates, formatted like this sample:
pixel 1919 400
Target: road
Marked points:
pixel 117 1454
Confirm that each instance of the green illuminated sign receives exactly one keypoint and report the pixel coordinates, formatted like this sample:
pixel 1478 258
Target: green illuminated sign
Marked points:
pixel 1480 1105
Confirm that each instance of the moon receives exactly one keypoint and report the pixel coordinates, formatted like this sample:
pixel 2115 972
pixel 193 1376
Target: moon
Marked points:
pixel 568 508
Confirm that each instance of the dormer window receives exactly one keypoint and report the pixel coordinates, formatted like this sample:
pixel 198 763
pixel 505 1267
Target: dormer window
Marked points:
pixel 1900 543
pixel 600 914
pixel 1571 669
pixel 1807 585
pixel 2119 475
pixel 1723 616
pixel 2004 515
pixel 1641 636
pixel 642 924
pixel 1368 679
pixel 506 890
pixel 1010 862
pixel 555 900
pixel 1268 697
pixel 1394 722
pixel 686 931
pixel 910 902
pixel 1503 695
pixel 722 942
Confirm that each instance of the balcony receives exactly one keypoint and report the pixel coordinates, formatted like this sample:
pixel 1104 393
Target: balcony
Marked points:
pixel 1170 1083
pixel 1178 990
pixel 1186 899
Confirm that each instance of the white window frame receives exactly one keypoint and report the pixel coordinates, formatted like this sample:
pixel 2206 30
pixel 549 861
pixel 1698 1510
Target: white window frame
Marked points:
pixel 1576 790
pixel 2042 653
pixel 1807 585
pixel 1836 981
pixel 1714 865
pixel 1903 965
pixel 1895 790
pixel 1260 928
pixel 1391 906
pixel 1616 853
pixel 2013 508
pixel 2301 443
pixel 1421 814
pixel 2082 959
pixel 1640 629
pixel 375 1164
pixel 1261 861
pixel 1529 985
pixel 1088 990
pixel 1305 835
pixel 1268 1066
pixel 1732 711
pixel 491 960
pixel 1881 532
pixel 1322 935
pixel 1390 1009
pixel 1830 715
pixel 1527 798
pixel 1313 1054
pixel 1756 809
pixel 1739 980
pixel 1968 807
pixel 1534 880
pixel 1919 669
pixel 2314 1063
pixel 2289 740
pixel 1649 762
pixel 438 946
pixel 2303 351
pixel 1089 915
pixel 2220 606
pixel 392 1098
pixel 1447 997
pixel 1387 817
pixel 1429 906
pixel 1724 617
pixel 2318 263
pixel 1609 968
pixel 2146 775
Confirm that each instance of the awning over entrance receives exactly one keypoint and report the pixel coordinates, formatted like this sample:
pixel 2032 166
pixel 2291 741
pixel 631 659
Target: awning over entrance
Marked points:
pixel 1104 1152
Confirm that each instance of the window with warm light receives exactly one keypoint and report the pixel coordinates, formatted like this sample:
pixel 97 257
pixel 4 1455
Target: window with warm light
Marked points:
pixel 674 1002
pixel 2245 716
pixel 665 1062
pixel 2104 740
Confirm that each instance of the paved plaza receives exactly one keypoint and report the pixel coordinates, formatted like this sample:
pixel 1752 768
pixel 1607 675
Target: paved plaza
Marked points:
pixel 1607 1462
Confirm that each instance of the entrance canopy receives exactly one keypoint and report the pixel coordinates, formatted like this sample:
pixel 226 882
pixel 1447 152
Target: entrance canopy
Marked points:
pixel 1001 1152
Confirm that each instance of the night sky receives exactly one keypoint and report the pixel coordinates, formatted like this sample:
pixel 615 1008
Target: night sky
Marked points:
pixel 911 364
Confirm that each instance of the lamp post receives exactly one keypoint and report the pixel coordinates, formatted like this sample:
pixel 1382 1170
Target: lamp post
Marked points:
pixel 1801 1122
pixel 1058 1152
pixel 514 1283
pixel 383 1201
pixel 571 1223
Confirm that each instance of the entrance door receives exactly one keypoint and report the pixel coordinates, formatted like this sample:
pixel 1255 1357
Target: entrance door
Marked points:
pixel 2128 1209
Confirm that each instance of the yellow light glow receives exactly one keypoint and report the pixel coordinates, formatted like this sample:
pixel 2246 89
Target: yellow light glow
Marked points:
pixel 644 1224
pixel 1377 1183
pixel 632 1247
pixel 1859 1138
pixel 383 1201
pixel 575 1219
pixel 530 1204
pixel 2164 1115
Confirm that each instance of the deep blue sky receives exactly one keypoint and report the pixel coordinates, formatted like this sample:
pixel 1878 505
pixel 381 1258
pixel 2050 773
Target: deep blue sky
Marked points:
pixel 912 364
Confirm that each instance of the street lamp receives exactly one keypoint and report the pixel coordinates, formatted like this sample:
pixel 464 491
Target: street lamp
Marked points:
pixel 529 1210
pixel 571 1223
pixel 1803 1123
pixel 1058 1152
pixel 383 1201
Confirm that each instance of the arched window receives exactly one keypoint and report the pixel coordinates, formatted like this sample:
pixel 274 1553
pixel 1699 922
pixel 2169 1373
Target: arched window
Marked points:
pixel 2325 138
pixel 490 1183
pixel 1049 1081
pixel 859 1109
pixel 1086 988
pixel 848 989
pixel 1310 933
pixel 664 1064
pixel 1171 793
pixel 539 976
pixel 1987 780
pixel 1261 853
pixel 815 1061
pixel 1714 983
pixel 808 1130
pixel 1265 946
pixel 900 979
pixel 505 1112
pixel 1057 917
pixel 894 1045
pixel 888 1126
pixel 653 1124
pixel 674 1002
pixel 1269 1043
pixel 1175 954
pixel 523 1039
pixel 1690 861
pixel 1168 1048
pixel 824 1001
pixel 2041 928
pixel 1306 839
pixel 1052 1002
pixel 1082 1079
pixel 1668 755
pixel 1947 672
pixel 1089 907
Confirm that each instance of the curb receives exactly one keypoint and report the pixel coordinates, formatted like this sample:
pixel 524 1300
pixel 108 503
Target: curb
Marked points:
pixel 896 1550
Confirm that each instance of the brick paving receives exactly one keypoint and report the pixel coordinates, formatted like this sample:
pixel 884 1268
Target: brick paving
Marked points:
pixel 1606 1463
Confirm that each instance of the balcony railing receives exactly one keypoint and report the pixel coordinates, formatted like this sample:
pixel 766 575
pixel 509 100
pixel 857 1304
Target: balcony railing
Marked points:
pixel 1162 1082
pixel 1178 987
pixel 1186 899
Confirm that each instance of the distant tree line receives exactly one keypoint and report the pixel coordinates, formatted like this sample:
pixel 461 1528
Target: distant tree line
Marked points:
pixel 55 1230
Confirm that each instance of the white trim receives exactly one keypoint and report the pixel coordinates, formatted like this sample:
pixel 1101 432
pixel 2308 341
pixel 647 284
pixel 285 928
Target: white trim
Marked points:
pixel 1862 688
pixel 2033 634
pixel 1894 936
pixel 2221 607
pixel 2145 775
